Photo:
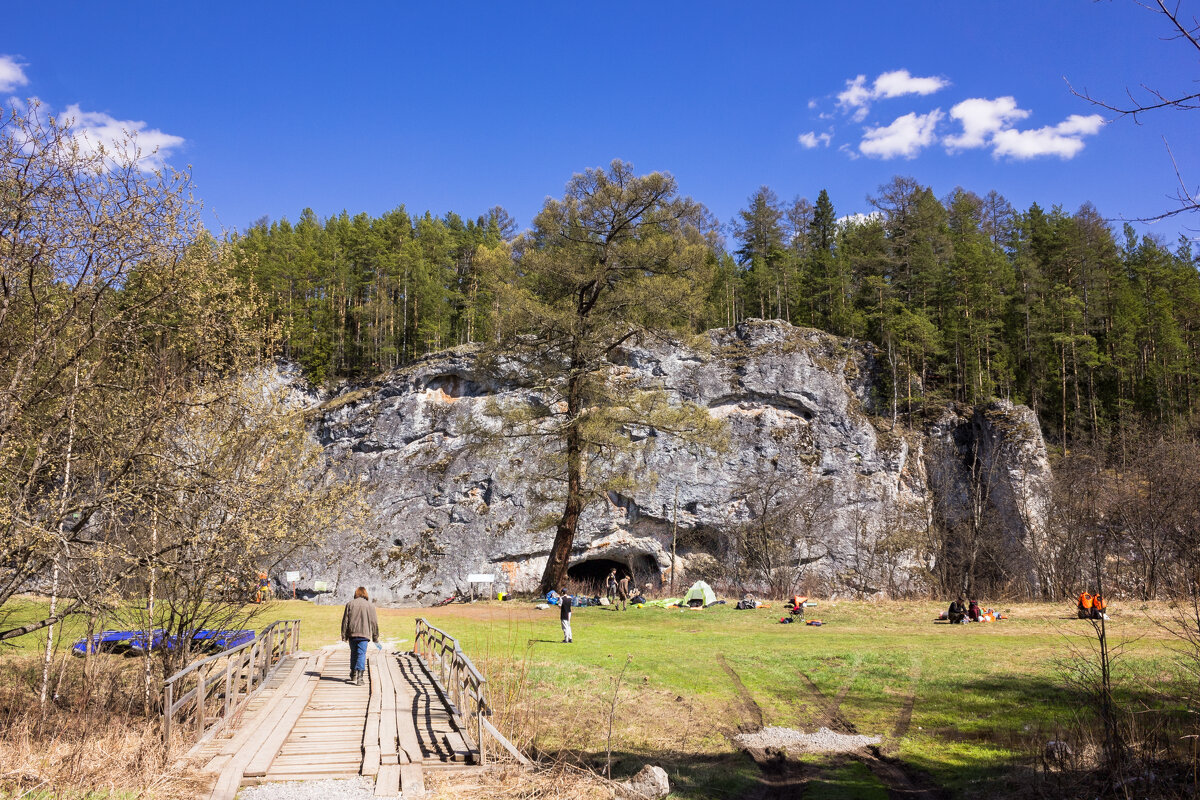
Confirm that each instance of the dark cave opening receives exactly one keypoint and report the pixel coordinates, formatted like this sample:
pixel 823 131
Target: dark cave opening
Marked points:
pixel 592 573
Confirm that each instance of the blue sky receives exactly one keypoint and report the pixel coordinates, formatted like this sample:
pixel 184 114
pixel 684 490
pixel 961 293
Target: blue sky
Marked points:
pixel 459 107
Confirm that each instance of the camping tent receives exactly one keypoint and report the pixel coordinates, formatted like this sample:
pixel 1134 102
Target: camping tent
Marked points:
pixel 700 594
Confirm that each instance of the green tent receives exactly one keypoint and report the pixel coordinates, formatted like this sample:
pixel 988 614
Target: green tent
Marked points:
pixel 701 594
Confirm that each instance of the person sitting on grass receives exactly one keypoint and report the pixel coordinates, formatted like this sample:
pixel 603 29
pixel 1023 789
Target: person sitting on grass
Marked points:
pixel 1084 609
pixel 958 612
pixel 974 613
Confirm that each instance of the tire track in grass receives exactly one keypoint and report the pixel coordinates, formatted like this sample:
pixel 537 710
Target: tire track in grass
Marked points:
pixel 841 695
pixel 832 716
pixel 904 721
pixel 780 778
pixel 752 716
pixel 900 781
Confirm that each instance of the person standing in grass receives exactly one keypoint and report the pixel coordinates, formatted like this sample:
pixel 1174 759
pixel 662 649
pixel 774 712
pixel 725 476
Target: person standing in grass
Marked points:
pixel 564 614
pixel 623 591
pixel 610 586
pixel 359 626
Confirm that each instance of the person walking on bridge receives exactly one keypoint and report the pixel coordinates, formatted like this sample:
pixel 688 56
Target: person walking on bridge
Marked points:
pixel 359 626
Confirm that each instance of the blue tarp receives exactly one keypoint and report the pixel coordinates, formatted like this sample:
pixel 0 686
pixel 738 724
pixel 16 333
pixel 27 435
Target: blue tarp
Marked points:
pixel 135 642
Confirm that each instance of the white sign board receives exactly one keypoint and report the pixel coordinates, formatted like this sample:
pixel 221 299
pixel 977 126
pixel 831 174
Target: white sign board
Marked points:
pixel 481 577
pixel 292 577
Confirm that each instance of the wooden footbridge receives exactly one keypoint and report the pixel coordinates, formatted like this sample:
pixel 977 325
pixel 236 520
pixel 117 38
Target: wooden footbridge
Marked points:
pixel 267 713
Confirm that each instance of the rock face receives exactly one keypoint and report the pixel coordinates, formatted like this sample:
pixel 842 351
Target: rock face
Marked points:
pixel 805 450
pixel 990 482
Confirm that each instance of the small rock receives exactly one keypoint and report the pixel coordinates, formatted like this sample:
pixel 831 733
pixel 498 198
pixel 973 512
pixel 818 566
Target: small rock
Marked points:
pixel 1057 751
pixel 542 606
pixel 651 781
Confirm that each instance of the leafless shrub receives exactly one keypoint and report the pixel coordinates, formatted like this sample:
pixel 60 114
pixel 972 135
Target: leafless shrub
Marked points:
pixel 89 740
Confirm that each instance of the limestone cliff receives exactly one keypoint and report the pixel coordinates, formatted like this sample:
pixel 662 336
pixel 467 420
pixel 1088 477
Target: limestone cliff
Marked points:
pixel 801 416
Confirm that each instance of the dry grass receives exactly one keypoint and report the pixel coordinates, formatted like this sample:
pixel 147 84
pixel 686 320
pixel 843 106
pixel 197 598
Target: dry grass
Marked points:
pixel 94 740
pixel 561 781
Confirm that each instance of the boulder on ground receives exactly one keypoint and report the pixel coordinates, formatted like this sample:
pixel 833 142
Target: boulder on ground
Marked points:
pixel 651 781
pixel 1058 751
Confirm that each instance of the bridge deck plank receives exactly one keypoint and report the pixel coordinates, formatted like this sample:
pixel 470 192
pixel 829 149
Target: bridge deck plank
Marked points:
pixel 315 725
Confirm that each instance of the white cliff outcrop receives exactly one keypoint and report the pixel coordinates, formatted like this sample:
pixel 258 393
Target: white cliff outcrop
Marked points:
pixel 801 414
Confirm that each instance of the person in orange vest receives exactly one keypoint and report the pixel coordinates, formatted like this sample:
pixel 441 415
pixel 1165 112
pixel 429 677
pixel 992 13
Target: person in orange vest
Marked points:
pixel 1085 605
pixel 1098 606
pixel 264 587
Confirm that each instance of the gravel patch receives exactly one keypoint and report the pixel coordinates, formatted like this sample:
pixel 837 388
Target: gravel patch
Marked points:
pixel 823 741
pixel 354 789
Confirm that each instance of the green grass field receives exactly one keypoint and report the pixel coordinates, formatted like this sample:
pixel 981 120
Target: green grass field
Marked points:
pixel 963 708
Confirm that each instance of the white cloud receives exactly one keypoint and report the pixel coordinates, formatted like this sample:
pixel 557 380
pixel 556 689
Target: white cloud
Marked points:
pixel 985 123
pixel 812 104
pixel 981 119
pixel 811 139
pixel 900 82
pixel 1063 140
pixel 859 218
pixel 990 123
pixel 906 136
pixel 855 94
pixel 11 74
pixel 856 98
pixel 95 129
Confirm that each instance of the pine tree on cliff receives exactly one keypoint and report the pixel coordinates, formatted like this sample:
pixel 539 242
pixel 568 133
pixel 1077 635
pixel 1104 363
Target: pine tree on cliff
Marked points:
pixel 620 257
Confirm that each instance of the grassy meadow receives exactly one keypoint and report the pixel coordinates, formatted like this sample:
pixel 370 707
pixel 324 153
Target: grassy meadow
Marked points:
pixel 963 711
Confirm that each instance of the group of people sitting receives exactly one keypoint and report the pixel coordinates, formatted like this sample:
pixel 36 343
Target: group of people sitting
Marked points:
pixel 1091 606
pixel 961 612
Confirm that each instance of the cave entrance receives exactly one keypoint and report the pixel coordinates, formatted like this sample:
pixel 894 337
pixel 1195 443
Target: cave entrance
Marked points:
pixel 646 573
pixel 592 573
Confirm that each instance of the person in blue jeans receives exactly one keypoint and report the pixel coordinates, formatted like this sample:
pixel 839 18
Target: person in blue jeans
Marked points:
pixel 359 626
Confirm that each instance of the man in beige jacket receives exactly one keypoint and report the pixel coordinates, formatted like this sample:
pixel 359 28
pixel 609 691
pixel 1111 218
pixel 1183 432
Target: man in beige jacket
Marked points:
pixel 359 626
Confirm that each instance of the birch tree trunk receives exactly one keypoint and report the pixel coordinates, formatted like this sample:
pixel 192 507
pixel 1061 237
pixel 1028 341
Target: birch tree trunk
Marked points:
pixel 62 508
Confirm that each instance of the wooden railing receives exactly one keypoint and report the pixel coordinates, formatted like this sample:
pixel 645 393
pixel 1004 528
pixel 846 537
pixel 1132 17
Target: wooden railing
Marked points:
pixel 223 683
pixel 462 687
